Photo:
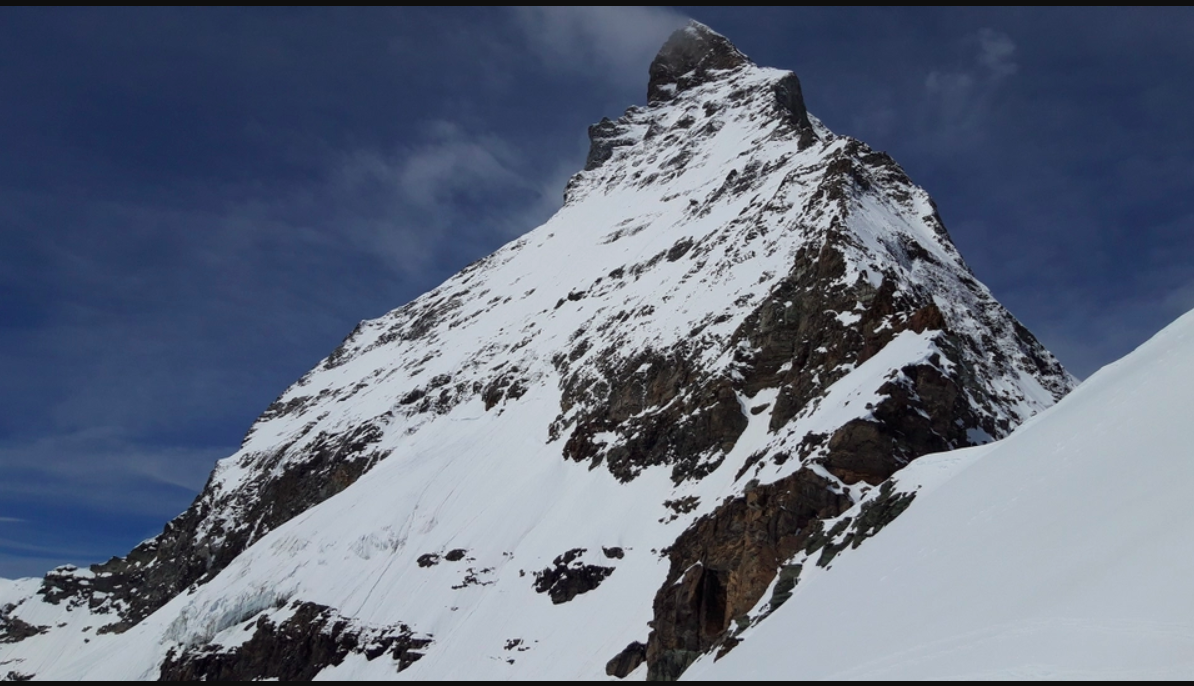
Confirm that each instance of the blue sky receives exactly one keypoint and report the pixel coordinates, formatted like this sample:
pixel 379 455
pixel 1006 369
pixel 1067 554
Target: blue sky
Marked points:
pixel 197 205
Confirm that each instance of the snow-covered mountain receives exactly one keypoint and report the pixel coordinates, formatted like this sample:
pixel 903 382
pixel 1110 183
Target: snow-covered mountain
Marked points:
pixel 595 451
pixel 1060 552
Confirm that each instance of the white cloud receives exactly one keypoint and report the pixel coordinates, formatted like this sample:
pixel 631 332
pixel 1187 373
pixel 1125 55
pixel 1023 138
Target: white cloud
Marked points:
pixel 452 161
pixel 413 203
pixel 1179 301
pixel 445 161
pixel 997 52
pixel 618 41
pixel 10 520
pixel 953 88
pixel 960 98
pixel 103 469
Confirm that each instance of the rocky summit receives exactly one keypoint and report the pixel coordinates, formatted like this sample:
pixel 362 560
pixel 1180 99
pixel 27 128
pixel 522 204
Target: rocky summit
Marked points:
pixel 610 447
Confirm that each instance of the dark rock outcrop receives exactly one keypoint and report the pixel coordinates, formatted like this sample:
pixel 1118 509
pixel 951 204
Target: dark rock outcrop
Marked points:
pixel 568 577
pixel 13 629
pixel 627 661
pixel 311 638
pixel 876 512
pixel 721 566
pixel 604 136
pixel 661 407
pixel 689 58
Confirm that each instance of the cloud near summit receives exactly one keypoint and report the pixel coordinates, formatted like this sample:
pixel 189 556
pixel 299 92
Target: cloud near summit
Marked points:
pixel 620 40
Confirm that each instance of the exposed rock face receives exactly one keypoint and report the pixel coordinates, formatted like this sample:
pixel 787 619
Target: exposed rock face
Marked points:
pixel 722 566
pixel 14 629
pixel 700 375
pixel 689 58
pixel 604 136
pixel 311 638
pixel 569 577
pixel 705 415
pixel 627 661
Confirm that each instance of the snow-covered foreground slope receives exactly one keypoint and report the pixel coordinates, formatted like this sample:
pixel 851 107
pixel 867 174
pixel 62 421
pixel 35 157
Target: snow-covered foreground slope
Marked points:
pixel 592 449
pixel 1063 551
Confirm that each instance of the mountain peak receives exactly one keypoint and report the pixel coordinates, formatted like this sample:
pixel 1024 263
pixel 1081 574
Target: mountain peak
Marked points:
pixel 688 58
pixel 660 403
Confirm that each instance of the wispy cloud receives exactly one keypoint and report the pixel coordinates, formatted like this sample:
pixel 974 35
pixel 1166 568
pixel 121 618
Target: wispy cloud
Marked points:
pixel 23 548
pixel 997 53
pixel 618 41
pixel 1179 301
pixel 407 203
pixel 100 468
pixel 960 98
pixel 125 433
pixel 421 210
pixel 10 520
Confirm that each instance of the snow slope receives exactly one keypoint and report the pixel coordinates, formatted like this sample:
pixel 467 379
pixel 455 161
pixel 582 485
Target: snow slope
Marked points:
pixel 493 480
pixel 1062 551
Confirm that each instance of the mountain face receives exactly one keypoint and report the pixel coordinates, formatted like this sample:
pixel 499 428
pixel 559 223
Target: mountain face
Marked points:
pixel 598 450
pixel 1057 553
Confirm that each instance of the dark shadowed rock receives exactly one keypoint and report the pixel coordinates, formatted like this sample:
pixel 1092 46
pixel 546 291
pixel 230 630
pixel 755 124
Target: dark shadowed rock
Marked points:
pixel 627 661
pixel 13 629
pixel 568 577
pixel 721 566
pixel 689 58
pixel 604 136
pixel 310 639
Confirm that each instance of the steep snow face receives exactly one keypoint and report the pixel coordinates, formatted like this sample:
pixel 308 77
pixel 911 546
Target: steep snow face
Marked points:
pixel 736 319
pixel 1059 552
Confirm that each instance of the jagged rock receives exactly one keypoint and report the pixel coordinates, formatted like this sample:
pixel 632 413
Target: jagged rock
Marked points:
pixel 686 60
pixel 877 512
pixel 568 577
pixel 604 136
pixel 14 629
pixel 789 575
pixel 721 566
pixel 627 661
pixel 311 638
